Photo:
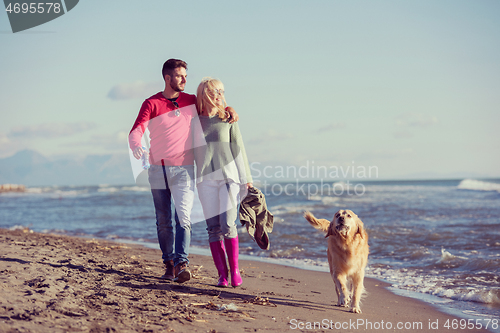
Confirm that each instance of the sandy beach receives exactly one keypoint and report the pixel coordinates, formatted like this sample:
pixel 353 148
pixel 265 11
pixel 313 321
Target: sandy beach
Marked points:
pixel 52 283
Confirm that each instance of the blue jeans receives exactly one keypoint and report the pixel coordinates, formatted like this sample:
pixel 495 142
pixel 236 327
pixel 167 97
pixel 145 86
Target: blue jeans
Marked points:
pixel 177 182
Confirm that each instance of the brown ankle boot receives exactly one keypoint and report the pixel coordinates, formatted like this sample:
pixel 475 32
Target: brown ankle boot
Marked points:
pixel 169 271
pixel 182 273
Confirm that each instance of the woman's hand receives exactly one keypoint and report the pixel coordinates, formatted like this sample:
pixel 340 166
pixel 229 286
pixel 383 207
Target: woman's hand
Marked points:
pixel 249 185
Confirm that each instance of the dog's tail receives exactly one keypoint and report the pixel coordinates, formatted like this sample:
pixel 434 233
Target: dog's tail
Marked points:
pixel 320 224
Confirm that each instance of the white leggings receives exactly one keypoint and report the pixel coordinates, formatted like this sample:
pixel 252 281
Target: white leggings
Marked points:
pixel 219 200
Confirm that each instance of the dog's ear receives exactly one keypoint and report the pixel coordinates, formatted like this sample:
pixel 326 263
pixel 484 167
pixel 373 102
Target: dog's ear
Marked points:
pixel 330 231
pixel 361 227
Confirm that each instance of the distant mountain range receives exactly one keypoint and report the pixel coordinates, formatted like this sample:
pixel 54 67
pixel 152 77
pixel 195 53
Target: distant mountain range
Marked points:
pixel 31 168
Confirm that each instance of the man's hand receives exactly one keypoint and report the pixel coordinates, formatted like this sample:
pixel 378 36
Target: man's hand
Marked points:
pixel 233 115
pixel 138 152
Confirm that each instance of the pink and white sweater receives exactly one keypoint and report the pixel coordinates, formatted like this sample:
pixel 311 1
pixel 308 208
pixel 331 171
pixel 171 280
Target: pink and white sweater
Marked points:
pixel 170 134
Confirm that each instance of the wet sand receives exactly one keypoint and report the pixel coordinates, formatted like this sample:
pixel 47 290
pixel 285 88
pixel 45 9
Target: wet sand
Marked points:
pixel 52 283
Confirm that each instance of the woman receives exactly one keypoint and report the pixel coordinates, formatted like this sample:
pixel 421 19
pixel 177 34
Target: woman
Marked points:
pixel 222 171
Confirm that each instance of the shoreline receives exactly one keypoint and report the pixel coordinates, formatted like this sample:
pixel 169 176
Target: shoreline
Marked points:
pixel 452 307
pixel 58 283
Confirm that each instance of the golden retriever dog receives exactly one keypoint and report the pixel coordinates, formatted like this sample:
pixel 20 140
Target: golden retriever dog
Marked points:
pixel 347 254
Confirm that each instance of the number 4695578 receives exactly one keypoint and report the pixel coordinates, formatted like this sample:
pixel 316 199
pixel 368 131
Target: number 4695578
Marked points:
pixel 471 324
pixel 33 8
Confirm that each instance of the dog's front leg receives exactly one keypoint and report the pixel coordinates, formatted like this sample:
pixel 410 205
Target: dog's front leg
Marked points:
pixel 341 288
pixel 358 289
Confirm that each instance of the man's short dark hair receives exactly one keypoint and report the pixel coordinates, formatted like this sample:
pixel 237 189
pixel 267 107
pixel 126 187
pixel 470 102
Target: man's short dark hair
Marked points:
pixel 170 65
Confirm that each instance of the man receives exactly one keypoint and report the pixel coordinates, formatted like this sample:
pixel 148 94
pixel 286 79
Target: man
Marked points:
pixel 168 115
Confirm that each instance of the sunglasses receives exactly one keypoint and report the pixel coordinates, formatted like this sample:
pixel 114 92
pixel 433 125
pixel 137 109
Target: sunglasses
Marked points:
pixel 177 111
pixel 217 91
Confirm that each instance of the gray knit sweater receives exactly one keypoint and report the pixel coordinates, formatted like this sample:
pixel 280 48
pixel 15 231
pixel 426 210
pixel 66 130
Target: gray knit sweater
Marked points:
pixel 219 153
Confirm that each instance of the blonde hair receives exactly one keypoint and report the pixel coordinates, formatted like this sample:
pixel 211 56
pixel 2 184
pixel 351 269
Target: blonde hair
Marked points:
pixel 205 96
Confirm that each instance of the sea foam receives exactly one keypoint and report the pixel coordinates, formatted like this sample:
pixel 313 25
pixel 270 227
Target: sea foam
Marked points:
pixel 478 185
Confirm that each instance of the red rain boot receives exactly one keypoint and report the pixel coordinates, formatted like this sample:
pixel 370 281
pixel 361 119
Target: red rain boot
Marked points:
pixel 219 256
pixel 232 248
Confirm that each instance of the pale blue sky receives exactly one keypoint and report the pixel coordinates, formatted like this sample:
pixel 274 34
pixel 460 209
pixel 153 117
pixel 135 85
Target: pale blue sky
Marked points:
pixel 411 87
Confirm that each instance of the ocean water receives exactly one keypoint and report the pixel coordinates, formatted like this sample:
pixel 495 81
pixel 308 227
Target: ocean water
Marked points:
pixel 435 240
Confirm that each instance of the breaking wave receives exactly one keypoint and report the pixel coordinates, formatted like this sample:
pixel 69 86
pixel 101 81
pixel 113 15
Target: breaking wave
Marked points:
pixel 478 185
